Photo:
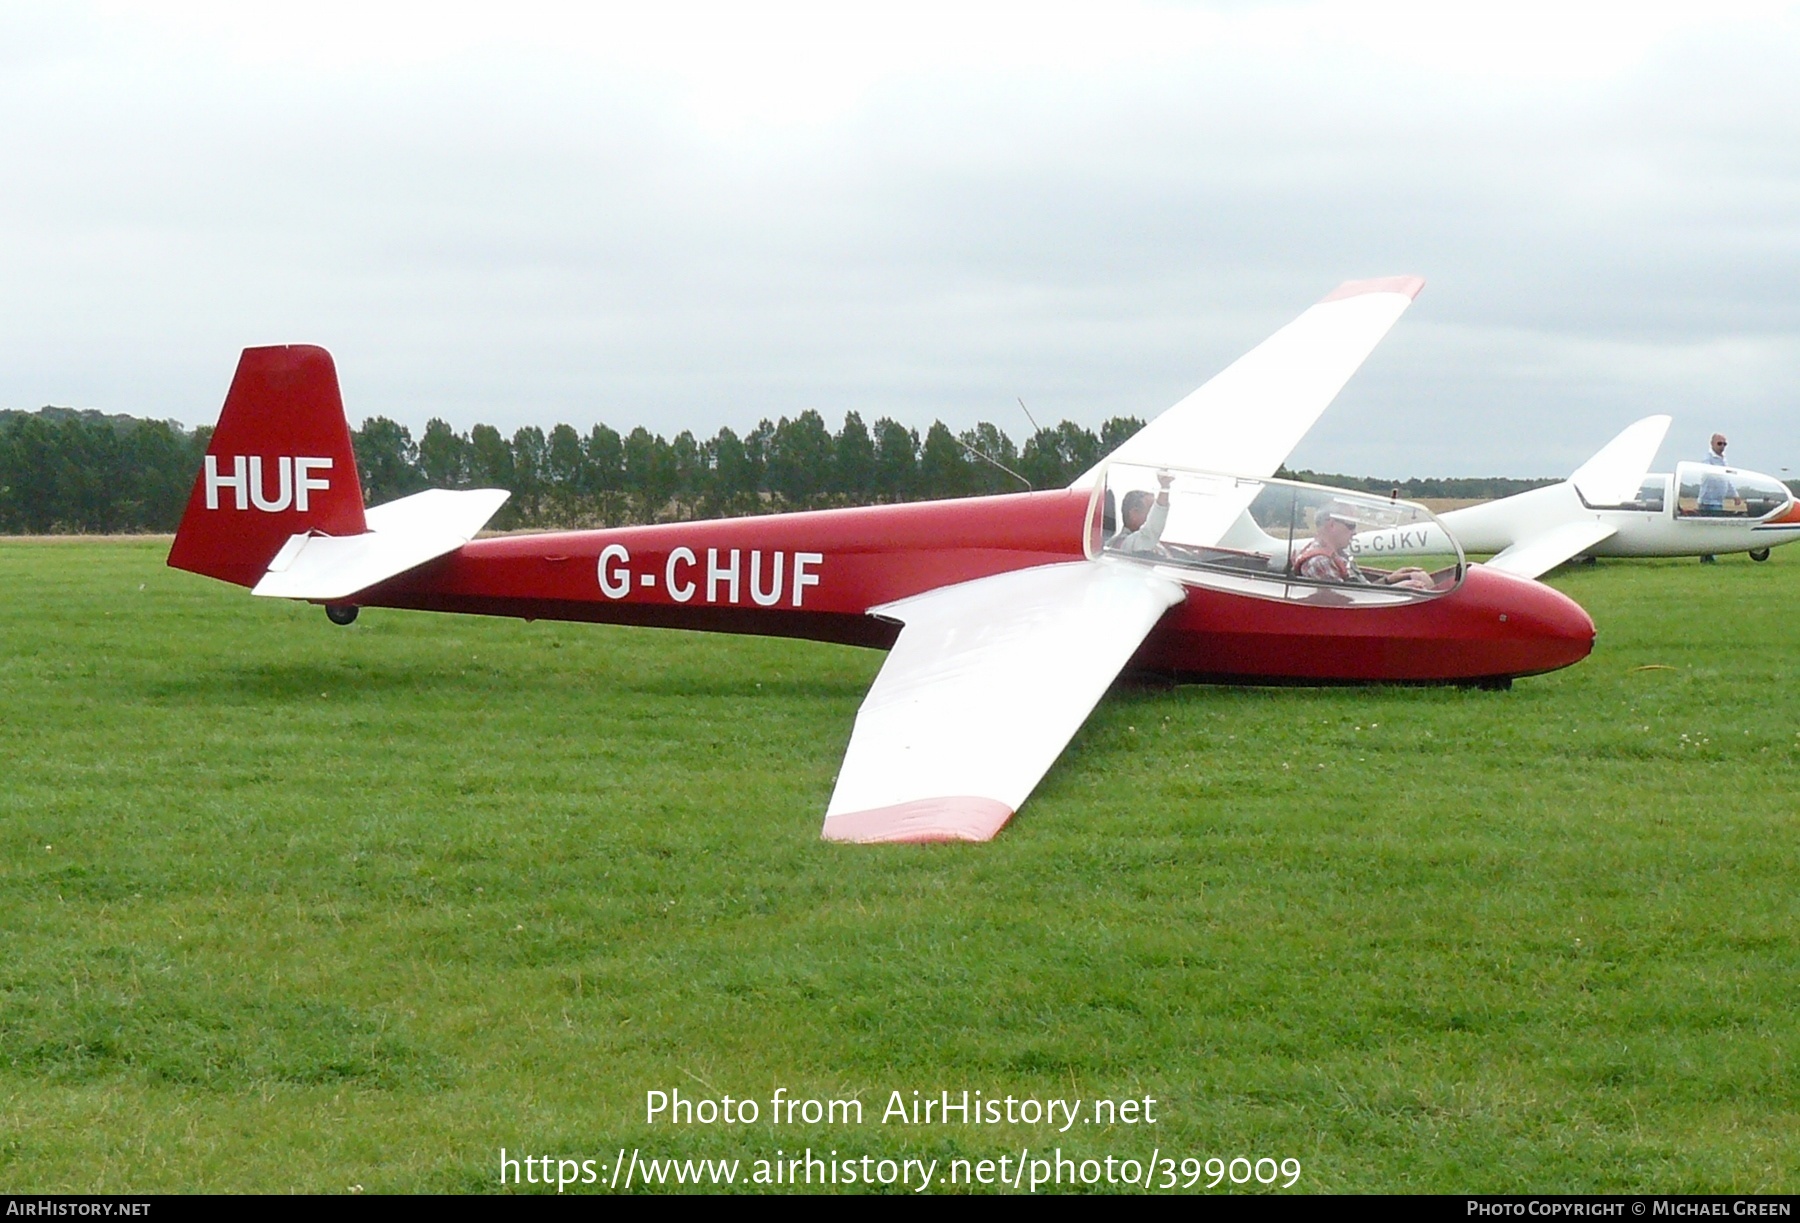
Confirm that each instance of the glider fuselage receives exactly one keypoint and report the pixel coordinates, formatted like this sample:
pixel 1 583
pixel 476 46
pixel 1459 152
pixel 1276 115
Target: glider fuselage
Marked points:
pixel 1658 523
pixel 1005 618
pixel 817 575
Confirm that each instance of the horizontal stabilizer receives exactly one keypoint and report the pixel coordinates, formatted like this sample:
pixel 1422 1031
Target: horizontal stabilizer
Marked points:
pixel 1543 552
pixel 1248 418
pixel 402 535
pixel 1614 474
pixel 989 681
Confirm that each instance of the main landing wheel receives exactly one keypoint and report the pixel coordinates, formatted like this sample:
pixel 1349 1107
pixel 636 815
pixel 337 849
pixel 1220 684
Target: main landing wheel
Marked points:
pixel 1495 683
pixel 341 613
pixel 1759 554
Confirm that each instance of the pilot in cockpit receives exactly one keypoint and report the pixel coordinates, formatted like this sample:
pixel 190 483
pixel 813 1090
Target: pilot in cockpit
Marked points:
pixel 1143 517
pixel 1327 558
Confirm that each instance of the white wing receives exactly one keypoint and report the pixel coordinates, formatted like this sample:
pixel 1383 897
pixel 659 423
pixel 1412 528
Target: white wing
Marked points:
pixel 1617 469
pixel 402 535
pixel 1249 418
pixel 1546 550
pixel 987 684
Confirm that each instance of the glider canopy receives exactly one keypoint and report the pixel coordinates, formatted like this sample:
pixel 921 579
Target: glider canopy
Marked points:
pixel 1248 535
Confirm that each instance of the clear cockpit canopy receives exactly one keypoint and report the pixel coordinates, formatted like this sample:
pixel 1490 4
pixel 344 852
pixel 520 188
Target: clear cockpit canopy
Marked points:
pixel 1703 490
pixel 1270 538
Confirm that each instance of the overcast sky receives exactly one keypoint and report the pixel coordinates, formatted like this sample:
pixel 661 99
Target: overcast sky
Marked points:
pixel 694 216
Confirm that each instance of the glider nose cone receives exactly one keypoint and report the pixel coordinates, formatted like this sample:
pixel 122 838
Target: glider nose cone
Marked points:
pixel 1533 627
pixel 1787 518
pixel 1568 630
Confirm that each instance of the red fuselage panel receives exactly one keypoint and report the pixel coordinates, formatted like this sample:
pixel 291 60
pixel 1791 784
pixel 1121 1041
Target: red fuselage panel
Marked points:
pixel 1494 624
pixel 816 575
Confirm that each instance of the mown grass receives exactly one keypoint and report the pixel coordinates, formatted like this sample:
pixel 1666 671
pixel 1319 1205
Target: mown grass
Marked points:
pixel 287 906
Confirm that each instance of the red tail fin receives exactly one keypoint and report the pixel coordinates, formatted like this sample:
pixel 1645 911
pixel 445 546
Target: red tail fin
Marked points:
pixel 280 463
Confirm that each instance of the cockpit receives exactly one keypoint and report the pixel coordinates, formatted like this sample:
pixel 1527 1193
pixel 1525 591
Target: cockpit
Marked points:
pixel 1272 539
pixel 1703 490
pixel 1652 492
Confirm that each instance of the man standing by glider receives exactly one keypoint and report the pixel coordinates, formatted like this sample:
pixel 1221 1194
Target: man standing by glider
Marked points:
pixel 1714 490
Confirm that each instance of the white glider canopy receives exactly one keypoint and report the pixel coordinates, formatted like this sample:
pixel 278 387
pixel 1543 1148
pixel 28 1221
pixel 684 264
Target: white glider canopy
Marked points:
pixel 989 681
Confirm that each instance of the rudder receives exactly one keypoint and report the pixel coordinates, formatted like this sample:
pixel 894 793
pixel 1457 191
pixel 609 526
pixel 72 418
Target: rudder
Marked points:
pixel 280 463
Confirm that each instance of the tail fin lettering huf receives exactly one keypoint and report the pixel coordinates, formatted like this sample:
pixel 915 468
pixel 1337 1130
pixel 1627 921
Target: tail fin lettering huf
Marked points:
pixel 280 464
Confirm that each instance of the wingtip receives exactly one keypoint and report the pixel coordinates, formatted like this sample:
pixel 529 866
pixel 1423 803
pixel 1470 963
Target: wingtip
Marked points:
pixel 1407 286
pixel 959 817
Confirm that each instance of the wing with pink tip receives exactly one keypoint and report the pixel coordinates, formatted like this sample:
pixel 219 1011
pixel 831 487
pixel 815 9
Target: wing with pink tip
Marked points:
pixel 989 680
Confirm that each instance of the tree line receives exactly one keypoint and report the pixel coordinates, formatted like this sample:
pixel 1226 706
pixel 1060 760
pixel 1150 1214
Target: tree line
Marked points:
pixel 63 470
pixel 82 471
pixel 1469 488
pixel 68 471
pixel 567 479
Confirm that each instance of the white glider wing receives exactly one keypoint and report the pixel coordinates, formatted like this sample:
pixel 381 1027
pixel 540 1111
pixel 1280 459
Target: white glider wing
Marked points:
pixel 1612 477
pixel 1546 550
pixel 402 535
pixel 1617 469
pixel 989 681
pixel 1249 418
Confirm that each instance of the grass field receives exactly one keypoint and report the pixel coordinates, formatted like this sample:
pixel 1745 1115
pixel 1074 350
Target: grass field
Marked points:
pixel 287 906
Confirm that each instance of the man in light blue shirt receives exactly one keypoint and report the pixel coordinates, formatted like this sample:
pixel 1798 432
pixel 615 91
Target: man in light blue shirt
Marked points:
pixel 1715 490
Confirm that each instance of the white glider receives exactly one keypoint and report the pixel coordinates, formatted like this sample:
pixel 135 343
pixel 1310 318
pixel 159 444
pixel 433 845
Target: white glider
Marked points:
pixel 1613 505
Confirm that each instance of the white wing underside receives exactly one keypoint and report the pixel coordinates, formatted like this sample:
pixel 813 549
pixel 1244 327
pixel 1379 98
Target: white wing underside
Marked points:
pixel 1249 418
pixel 1546 550
pixel 402 535
pixel 987 684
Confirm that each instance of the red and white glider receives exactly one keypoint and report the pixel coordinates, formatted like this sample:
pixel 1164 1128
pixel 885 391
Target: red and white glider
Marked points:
pixel 1006 617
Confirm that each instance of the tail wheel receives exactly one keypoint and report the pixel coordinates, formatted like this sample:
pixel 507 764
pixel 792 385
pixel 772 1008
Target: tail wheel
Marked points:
pixel 1759 554
pixel 341 613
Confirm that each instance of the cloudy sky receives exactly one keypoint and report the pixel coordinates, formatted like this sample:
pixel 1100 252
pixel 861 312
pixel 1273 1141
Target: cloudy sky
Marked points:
pixel 693 216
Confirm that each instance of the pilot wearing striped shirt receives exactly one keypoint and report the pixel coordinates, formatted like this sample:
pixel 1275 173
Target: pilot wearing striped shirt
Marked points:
pixel 1327 558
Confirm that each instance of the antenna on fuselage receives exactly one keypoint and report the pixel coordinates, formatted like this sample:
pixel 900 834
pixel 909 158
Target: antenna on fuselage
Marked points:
pixel 1035 429
pixel 988 458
